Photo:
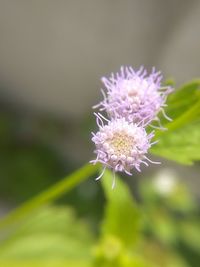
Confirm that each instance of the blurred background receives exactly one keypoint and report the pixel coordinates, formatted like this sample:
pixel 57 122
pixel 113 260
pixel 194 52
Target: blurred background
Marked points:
pixel 52 56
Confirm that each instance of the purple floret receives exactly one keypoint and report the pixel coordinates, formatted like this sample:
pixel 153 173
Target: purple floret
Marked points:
pixel 134 95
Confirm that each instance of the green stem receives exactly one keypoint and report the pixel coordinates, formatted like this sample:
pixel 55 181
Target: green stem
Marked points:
pixel 50 194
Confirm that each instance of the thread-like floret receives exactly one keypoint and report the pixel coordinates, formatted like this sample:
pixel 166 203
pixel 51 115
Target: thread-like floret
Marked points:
pixel 134 95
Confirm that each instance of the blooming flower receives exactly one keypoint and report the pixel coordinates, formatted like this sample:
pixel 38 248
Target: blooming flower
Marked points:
pixel 121 145
pixel 134 95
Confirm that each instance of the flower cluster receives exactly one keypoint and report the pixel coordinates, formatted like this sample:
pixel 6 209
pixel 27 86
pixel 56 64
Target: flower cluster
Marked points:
pixel 132 101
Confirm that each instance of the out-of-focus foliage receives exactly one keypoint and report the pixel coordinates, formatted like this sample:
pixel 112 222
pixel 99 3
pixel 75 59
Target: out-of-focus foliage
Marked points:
pixel 49 235
pixel 121 213
pixel 171 215
pixel 162 230
pixel 181 142
pixel 28 161
pixel 124 218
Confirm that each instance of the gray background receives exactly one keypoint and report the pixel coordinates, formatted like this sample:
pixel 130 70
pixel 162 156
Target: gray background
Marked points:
pixel 53 53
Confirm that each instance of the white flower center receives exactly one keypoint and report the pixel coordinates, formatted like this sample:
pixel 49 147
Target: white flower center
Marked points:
pixel 122 144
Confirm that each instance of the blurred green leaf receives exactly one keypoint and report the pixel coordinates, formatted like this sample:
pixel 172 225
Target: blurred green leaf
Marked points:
pixel 44 263
pixel 111 252
pixel 162 226
pixel 121 213
pixel 190 234
pixel 181 200
pixel 160 256
pixel 167 191
pixel 181 142
pixel 48 235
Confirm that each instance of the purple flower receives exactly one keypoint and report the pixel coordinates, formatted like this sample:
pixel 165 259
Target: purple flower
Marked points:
pixel 134 95
pixel 120 145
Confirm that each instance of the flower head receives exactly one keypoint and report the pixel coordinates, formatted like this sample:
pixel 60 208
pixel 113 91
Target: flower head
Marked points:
pixel 121 145
pixel 134 95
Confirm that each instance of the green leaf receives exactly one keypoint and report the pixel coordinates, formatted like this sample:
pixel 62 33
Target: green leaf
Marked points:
pixel 182 145
pixel 183 99
pixel 48 235
pixel 181 142
pixel 121 213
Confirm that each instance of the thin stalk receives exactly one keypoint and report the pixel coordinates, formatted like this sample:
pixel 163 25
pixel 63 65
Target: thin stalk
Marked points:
pixel 49 194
